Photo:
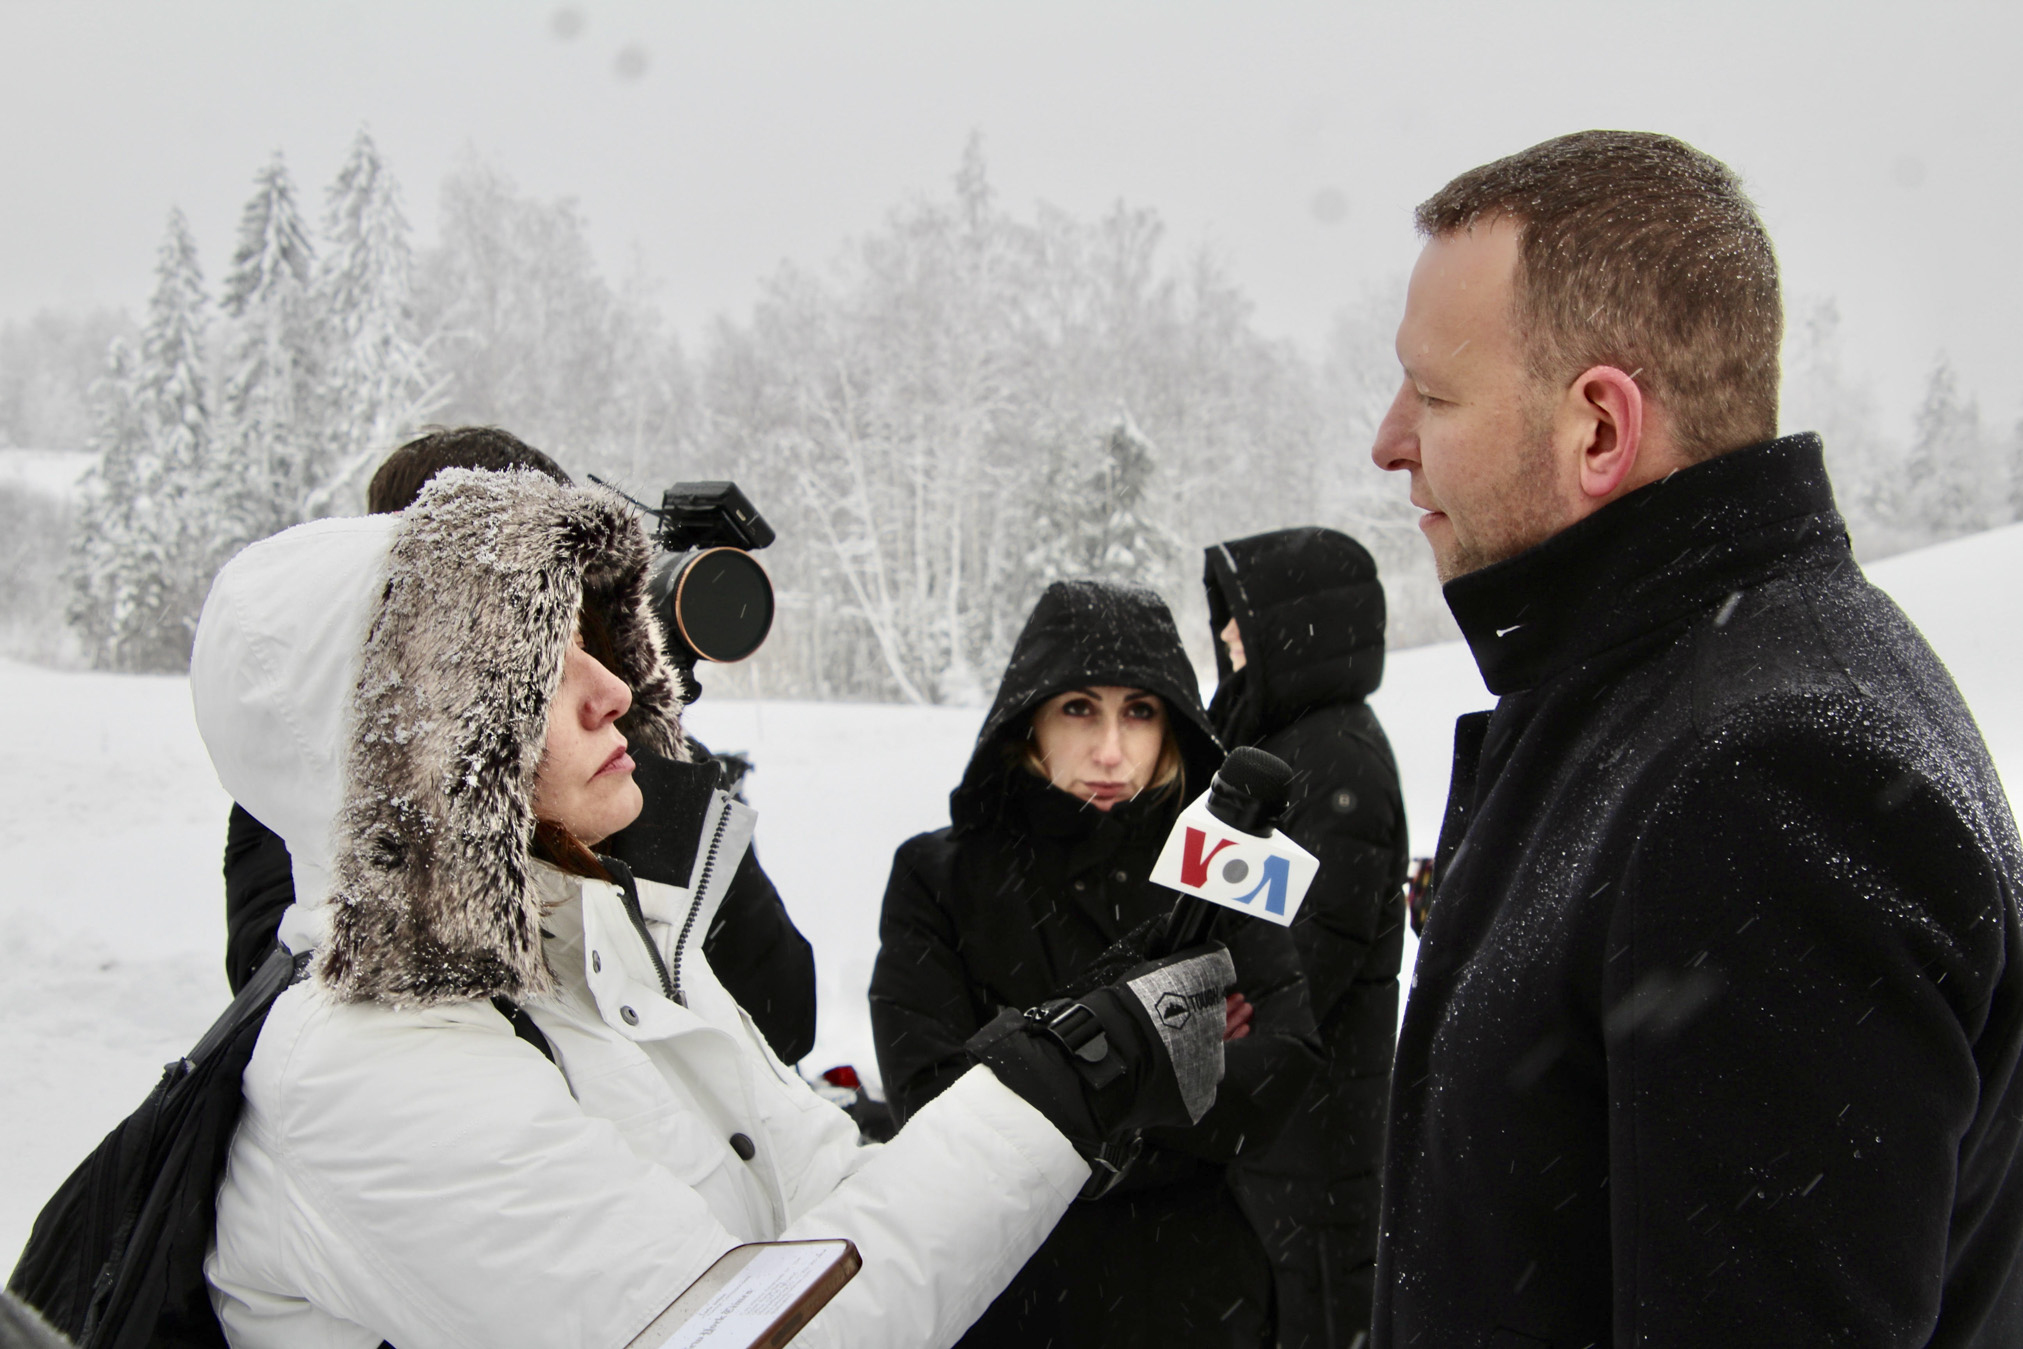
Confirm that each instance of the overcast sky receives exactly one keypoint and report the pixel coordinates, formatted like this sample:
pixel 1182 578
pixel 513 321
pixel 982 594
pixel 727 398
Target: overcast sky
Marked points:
pixel 1881 141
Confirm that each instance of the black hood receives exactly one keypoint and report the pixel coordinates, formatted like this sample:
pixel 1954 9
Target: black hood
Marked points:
pixel 1310 610
pixel 1081 633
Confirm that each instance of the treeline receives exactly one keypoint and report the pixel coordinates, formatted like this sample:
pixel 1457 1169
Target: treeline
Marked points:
pixel 1951 475
pixel 964 404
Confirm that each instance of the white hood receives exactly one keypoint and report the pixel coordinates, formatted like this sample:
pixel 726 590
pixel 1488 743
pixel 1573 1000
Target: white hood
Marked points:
pixel 376 692
pixel 272 673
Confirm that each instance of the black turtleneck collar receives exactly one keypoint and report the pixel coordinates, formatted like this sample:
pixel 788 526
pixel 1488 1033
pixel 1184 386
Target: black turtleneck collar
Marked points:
pixel 1052 813
pixel 1661 553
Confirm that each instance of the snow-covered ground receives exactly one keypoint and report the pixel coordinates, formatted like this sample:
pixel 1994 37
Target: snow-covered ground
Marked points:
pixel 111 828
pixel 52 472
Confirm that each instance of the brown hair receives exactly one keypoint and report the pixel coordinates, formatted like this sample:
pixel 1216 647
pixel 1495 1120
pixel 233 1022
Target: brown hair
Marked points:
pixel 555 845
pixel 1638 251
pixel 400 478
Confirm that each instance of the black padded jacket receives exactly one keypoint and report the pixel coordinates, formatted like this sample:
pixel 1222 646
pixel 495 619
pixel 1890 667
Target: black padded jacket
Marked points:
pixel 1310 610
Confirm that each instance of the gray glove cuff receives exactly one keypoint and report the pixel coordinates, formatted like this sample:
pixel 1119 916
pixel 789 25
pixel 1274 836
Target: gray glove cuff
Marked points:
pixel 1183 1001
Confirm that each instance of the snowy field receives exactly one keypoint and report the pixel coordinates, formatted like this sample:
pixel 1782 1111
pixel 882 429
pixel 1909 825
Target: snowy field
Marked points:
pixel 51 472
pixel 111 828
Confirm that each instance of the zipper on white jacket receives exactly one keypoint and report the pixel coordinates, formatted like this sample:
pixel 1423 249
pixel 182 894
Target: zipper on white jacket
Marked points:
pixel 629 889
pixel 670 981
pixel 716 839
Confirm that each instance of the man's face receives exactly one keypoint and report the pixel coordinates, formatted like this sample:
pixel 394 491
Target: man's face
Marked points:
pixel 1469 425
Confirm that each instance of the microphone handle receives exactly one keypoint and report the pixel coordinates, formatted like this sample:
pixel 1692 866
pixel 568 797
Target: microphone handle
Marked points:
pixel 1187 924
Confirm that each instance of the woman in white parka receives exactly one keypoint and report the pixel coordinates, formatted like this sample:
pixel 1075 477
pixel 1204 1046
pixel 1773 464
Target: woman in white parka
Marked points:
pixel 404 699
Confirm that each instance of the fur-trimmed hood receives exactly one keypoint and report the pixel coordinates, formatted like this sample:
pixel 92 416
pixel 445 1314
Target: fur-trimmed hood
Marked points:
pixel 376 691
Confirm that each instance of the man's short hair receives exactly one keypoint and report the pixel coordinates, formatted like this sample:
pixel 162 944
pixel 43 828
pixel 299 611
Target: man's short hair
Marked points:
pixel 398 481
pixel 1638 251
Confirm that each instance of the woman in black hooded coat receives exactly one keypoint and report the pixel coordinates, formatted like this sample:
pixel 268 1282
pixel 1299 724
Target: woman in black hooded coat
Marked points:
pixel 1008 907
pixel 1307 612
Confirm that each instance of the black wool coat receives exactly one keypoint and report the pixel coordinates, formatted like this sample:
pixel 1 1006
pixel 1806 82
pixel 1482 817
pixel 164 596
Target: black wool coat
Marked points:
pixel 758 954
pixel 1714 1033
pixel 1310 611
pixel 1006 908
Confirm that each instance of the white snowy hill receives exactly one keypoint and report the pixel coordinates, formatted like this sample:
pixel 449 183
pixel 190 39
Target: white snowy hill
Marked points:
pixel 112 825
pixel 53 473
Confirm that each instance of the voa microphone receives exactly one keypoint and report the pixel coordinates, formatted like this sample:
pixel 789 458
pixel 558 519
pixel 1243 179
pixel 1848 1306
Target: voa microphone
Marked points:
pixel 1225 849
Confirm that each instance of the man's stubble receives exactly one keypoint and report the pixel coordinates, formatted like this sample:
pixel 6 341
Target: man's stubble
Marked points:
pixel 1525 510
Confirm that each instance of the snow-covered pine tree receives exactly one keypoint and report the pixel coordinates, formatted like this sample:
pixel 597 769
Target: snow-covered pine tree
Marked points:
pixel 1098 525
pixel 146 551
pixel 269 453
pixel 2016 472
pixel 1125 543
pixel 105 528
pixel 1939 491
pixel 377 382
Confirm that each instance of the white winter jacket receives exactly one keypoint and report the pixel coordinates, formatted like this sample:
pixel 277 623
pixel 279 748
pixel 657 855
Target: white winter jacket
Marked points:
pixel 409 1170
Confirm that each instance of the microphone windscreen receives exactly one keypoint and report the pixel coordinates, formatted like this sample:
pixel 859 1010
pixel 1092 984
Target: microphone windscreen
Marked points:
pixel 1250 772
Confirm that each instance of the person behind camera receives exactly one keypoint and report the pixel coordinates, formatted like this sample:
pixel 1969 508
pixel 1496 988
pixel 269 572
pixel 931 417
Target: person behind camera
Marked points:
pixel 1299 618
pixel 1716 1029
pixel 1096 739
pixel 510 1103
pixel 754 947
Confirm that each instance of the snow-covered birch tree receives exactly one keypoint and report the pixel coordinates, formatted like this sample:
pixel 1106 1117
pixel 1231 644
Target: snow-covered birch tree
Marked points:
pixel 935 426
pixel 530 336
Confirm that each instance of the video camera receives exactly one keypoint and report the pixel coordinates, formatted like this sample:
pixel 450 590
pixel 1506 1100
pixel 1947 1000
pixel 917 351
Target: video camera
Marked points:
pixel 713 599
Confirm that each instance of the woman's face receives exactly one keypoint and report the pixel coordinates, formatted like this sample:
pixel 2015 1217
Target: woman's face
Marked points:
pixel 1101 743
pixel 585 783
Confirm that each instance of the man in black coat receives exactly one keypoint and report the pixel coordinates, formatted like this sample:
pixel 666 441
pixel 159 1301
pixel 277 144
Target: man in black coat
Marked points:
pixel 1714 1033
pixel 1300 619
pixel 758 954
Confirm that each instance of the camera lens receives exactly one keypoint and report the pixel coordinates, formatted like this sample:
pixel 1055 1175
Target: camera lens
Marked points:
pixel 718 601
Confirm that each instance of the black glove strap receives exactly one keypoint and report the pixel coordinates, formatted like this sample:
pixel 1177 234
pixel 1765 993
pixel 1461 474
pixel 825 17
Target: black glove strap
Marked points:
pixel 1081 1034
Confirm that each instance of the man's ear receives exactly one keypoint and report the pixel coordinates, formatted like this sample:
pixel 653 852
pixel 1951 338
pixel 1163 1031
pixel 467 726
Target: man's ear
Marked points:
pixel 1611 412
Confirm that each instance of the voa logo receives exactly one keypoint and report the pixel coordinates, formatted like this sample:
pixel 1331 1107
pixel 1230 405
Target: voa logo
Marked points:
pixel 1264 877
pixel 1197 855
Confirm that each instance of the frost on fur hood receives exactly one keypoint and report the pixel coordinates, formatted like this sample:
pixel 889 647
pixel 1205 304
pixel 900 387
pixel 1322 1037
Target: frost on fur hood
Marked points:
pixel 403 779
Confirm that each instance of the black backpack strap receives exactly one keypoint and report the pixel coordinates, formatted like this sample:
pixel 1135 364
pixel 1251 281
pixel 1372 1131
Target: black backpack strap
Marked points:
pixel 523 1025
pixel 279 971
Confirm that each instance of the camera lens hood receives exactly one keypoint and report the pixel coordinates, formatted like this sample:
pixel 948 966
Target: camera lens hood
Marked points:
pixel 715 604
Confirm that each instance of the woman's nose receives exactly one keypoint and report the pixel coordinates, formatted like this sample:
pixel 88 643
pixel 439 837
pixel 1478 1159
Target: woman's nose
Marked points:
pixel 1110 744
pixel 610 698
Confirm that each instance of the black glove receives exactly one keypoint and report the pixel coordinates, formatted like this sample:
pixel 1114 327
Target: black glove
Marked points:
pixel 1143 1051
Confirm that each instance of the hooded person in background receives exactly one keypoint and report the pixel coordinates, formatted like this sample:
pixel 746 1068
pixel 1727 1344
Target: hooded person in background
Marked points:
pixel 1096 739
pixel 510 1103
pixel 754 947
pixel 1299 615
